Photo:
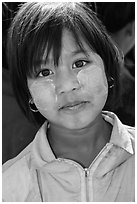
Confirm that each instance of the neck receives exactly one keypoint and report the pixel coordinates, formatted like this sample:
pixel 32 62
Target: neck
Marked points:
pixel 65 141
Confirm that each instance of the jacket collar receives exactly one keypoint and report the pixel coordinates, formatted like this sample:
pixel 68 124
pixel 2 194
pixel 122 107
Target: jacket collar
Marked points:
pixel 120 135
pixel 42 152
pixel 120 145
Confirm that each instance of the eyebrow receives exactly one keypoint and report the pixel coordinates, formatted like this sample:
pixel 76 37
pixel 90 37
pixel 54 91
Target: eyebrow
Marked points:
pixel 80 51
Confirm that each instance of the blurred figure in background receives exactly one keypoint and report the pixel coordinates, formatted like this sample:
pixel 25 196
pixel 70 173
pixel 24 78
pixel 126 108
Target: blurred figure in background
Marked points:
pixel 119 20
pixel 17 131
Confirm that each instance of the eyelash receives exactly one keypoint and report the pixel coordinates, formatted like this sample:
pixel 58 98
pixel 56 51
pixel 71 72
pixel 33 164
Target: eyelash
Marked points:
pixel 74 67
pixel 85 61
pixel 49 70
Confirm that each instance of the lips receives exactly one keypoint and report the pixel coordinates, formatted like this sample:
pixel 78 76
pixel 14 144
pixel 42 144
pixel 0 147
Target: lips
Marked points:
pixel 73 105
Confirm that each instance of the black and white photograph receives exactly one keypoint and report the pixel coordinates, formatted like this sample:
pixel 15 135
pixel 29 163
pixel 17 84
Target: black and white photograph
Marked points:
pixel 68 101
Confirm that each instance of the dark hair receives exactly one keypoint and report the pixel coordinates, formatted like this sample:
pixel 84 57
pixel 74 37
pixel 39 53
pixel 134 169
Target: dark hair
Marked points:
pixel 8 9
pixel 116 15
pixel 38 26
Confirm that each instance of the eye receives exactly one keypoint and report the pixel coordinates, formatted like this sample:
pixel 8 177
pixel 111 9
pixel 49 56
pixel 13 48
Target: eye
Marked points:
pixel 45 73
pixel 80 63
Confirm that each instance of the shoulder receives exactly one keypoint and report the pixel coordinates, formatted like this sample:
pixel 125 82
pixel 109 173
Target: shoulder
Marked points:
pixel 131 135
pixel 20 157
pixel 131 132
pixel 129 164
pixel 16 177
pixel 130 129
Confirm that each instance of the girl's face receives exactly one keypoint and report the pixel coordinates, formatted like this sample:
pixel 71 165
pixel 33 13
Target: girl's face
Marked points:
pixel 73 94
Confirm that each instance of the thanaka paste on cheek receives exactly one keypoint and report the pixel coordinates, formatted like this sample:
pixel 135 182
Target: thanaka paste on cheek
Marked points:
pixel 94 83
pixel 43 94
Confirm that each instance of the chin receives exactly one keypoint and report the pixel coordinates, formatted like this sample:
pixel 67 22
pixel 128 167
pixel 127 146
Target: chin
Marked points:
pixel 76 125
pixel 82 122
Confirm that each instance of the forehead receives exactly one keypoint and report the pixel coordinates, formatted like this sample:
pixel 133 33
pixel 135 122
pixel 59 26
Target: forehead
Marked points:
pixel 70 46
pixel 69 43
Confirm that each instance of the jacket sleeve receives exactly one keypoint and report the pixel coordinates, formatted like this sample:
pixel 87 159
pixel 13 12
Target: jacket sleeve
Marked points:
pixel 15 180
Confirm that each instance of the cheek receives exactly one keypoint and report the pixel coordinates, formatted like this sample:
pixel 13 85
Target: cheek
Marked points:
pixel 94 82
pixel 43 94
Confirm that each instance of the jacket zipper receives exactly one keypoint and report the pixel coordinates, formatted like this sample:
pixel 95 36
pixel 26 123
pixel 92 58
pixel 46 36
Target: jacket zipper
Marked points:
pixel 86 170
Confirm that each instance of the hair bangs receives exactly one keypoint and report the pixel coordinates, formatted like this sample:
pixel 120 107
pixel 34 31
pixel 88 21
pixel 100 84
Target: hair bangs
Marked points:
pixel 43 44
pixel 46 36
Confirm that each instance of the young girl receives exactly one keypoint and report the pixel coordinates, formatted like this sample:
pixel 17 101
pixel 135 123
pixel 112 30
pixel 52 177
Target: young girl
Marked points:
pixel 64 72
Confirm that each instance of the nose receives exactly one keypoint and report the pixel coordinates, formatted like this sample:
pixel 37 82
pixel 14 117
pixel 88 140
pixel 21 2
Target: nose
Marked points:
pixel 66 82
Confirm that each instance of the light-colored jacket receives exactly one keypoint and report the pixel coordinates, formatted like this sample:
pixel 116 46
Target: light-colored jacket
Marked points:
pixel 36 175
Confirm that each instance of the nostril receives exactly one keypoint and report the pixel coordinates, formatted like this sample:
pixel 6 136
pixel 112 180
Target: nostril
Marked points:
pixel 68 84
pixel 68 90
pixel 76 88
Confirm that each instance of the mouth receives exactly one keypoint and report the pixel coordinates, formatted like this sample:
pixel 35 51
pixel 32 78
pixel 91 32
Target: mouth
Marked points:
pixel 74 106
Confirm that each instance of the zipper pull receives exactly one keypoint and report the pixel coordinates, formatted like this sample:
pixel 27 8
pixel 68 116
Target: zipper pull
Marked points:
pixel 86 172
